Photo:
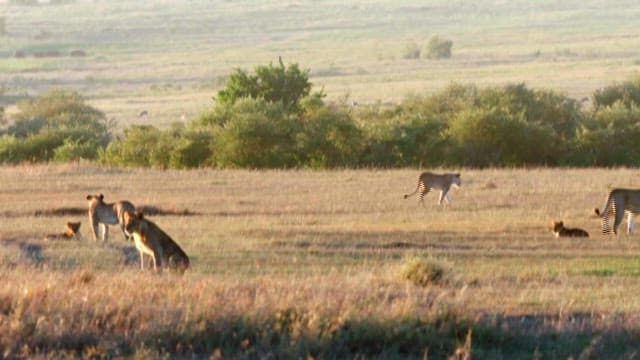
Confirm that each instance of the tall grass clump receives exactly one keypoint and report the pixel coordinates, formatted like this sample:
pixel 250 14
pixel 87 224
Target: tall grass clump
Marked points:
pixel 424 272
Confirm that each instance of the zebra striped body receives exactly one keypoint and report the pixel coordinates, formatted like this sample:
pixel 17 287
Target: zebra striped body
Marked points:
pixel 619 203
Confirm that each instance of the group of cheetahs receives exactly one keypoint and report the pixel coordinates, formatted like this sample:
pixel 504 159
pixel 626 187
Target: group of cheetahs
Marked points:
pixel 150 240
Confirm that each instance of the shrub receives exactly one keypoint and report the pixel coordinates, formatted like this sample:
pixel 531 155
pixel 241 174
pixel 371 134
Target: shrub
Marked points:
pixel 140 146
pixel 609 137
pixel 627 93
pixel 329 138
pixel 258 135
pixel 3 120
pixel 286 85
pixel 438 48
pixel 72 150
pixel 442 104
pixel 406 140
pixel 191 150
pixel 58 109
pixel 422 272
pixel 541 107
pixel 11 150
pixel 411 51
pixel 492 137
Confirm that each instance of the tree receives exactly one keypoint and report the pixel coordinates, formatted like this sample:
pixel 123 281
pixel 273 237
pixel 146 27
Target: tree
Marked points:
pixel 286 85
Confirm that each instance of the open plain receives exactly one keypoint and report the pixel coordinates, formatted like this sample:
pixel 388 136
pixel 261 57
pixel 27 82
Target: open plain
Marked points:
pixel 303 263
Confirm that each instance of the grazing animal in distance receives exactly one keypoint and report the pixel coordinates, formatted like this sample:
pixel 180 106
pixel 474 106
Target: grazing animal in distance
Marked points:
pixel 71 232
pixel 152 241
pixel 560 231
pixel 428 181
pixel 102 214
pixel 619 202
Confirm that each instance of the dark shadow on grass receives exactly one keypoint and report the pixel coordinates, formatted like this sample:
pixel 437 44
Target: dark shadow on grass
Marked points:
pixel 28 251
pixel 301 212
pixel 82 211
pixel 286 333
pixel 369 240
pixel 130 255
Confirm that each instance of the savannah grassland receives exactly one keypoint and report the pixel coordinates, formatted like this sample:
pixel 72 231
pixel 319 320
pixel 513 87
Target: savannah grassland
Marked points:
pixel 309 263
pixel 291 264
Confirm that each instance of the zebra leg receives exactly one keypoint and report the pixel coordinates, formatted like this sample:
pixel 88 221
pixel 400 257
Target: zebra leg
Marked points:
pixel 630 224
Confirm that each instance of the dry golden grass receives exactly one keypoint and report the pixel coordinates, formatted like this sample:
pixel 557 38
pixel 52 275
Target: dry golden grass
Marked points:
pixel 296 263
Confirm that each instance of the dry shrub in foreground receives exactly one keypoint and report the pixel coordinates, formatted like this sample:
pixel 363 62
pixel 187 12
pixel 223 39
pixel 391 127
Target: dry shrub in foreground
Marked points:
pixel 85 314
pixel 89 314
pixel 423 272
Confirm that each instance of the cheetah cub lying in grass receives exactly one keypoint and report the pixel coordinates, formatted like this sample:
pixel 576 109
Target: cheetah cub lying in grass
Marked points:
pixel 70 233
pixel 560 231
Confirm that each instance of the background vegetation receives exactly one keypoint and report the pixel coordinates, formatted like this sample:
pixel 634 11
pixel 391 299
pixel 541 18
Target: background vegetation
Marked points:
pixel 261 122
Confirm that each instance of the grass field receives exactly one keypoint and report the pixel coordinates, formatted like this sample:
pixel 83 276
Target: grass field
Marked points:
pixel 170 57
pixel 309 263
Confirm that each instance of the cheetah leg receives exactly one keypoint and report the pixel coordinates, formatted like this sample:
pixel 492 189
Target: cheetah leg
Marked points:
pixel 422 194
pixel 619 217
pixel 105 232
pixel 444 195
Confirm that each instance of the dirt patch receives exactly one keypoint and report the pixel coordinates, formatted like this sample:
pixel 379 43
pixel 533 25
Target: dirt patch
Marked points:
pixel 157 211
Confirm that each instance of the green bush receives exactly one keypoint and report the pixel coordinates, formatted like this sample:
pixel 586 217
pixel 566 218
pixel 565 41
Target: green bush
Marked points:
pixel 609 138
pixel 493 137
pixel 59 109
pixel 141 145
pixel 3 119
pixel 273 84
pixel 540 107
pixel 11 150
pixel 329 138
pixel 406 140
pixel 259 134
pixel 72 150
pixel 627 93
pixel 191 151
pixel 439 48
